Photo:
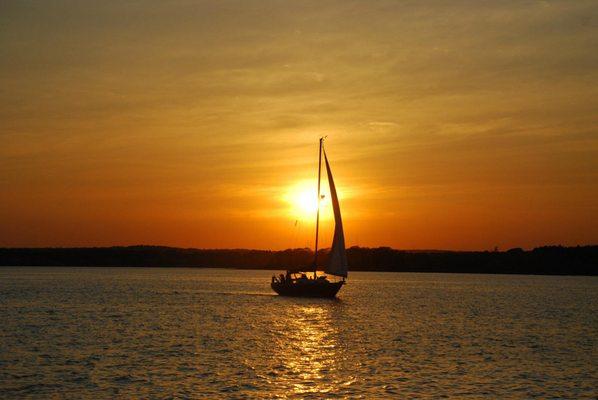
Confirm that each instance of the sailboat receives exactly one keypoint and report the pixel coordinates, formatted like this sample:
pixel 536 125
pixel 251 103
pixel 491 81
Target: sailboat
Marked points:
pixel 302 283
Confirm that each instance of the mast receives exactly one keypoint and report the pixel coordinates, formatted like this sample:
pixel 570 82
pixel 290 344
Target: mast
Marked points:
pixel 318 212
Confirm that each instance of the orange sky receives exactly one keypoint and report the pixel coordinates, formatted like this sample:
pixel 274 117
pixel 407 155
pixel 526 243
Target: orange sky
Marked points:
pixel 453 125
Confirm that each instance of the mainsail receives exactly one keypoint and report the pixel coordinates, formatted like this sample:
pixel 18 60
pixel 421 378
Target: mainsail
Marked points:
pixel 337 262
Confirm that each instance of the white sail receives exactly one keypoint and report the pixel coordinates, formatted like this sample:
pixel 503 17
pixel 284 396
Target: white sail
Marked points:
pixel 337 262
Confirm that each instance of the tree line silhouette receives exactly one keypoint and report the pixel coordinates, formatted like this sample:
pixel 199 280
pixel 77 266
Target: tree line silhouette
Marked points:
pixel 547 260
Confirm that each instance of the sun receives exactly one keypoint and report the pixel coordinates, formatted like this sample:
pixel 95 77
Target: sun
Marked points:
pixel 306 201
pixel 302 199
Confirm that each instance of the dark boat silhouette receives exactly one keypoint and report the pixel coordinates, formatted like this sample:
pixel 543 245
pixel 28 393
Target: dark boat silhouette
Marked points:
pixel 301 283
pixel 305 287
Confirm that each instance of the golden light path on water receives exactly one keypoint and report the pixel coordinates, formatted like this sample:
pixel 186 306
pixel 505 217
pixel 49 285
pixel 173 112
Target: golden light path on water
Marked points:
pixel 308 348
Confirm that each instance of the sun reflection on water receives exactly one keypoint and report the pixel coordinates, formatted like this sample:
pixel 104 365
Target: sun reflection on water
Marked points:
pixel 308 349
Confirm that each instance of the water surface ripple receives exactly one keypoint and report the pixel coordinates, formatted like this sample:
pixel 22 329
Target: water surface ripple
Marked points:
pixel 88 333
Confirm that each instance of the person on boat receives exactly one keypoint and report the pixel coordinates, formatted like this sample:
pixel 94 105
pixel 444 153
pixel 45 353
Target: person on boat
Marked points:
pixel 282 280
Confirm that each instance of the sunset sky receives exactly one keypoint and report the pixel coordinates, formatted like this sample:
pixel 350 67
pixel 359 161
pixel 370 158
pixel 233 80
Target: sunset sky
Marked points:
pixel 451 124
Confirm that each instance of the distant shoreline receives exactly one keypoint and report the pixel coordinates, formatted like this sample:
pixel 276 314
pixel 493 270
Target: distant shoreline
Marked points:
pixel 547 260
pixel 274 269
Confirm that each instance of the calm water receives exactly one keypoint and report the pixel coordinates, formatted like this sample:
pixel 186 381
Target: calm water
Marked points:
pixel 193 333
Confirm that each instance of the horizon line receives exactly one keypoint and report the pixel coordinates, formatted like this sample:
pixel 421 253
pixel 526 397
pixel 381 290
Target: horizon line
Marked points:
pixel 496 249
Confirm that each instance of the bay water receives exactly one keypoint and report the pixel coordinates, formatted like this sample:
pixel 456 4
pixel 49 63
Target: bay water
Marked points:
pixel 89 333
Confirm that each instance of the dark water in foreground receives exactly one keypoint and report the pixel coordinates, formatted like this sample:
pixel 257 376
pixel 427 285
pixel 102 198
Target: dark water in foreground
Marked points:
pixel 192 333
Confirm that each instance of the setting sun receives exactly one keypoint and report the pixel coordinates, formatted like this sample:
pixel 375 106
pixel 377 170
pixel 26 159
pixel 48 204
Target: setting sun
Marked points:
pixel 302 199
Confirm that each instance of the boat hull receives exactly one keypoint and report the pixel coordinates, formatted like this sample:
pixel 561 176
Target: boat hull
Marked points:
pixel 308 288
